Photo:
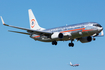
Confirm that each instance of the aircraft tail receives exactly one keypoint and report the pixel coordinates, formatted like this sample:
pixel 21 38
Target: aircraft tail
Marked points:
pixel 70 63
pixel 33 22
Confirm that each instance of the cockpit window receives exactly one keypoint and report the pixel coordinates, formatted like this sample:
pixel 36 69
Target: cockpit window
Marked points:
pixel 98 25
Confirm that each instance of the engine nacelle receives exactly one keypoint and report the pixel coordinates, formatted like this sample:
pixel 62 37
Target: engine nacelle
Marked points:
pixel 57 35
pixel 86 39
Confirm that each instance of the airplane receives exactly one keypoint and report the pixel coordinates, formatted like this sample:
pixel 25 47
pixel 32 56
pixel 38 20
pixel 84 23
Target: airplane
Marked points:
pixel 74 65
pixel 83 32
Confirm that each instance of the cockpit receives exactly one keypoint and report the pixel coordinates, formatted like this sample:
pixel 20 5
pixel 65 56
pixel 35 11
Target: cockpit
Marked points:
pixel 97 25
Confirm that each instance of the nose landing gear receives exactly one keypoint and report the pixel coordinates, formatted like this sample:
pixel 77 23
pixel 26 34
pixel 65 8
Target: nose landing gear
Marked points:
pixel 94 39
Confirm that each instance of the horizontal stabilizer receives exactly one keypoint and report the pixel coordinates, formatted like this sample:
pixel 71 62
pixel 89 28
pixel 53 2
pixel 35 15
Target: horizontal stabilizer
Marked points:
pixel 19 32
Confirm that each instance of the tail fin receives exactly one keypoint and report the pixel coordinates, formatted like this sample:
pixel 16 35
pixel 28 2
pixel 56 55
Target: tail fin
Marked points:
pixel 70 63
pixel 33 22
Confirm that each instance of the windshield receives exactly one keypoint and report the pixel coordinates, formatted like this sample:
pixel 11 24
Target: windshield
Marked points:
pixel 98 25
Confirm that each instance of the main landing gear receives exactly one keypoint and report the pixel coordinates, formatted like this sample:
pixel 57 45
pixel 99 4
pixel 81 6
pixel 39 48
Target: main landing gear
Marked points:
pixel 54 43
pixel 71 44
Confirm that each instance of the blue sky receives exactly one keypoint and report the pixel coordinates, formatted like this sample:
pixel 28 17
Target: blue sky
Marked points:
pixel 20 52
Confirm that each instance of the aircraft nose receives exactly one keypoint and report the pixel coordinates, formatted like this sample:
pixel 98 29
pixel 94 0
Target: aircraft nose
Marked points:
pixel 100 28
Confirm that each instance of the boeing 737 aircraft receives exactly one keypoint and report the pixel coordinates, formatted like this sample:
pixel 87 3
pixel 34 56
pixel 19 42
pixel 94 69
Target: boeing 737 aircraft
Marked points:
pixel 83 32
pixel 74 65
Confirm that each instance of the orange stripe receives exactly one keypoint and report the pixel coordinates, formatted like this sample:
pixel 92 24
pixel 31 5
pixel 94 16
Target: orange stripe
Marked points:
pixel 87 30
pixel 83 30
pixel 36 36
pixel 72 30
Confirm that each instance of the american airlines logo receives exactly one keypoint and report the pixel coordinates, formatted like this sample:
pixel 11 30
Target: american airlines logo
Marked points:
pixel 32 23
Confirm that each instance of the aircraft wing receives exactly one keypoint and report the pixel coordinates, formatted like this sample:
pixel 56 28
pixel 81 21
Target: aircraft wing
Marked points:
pixel 19 32
pixel 28 30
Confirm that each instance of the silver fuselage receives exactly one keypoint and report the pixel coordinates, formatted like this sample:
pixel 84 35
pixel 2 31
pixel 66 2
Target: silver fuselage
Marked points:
pixel 71 32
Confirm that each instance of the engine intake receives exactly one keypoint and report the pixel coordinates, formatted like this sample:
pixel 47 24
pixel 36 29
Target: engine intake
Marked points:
pixel 60 35
pixel 86 39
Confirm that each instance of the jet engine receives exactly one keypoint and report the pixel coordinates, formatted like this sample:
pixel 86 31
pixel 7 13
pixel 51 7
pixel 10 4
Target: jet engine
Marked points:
pixel 86 39
pixel 57 35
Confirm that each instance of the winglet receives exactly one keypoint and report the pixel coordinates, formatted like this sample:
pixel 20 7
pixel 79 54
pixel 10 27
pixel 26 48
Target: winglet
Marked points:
pixel 2 20
pixel 70 63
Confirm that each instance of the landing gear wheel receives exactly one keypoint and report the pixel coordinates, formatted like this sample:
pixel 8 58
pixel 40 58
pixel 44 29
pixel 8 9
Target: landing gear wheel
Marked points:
pixel 94 39
pixel 71 44
pixel 54 43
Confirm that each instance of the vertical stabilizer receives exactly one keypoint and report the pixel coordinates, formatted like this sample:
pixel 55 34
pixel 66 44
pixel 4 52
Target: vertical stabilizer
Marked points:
pixel 33 22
